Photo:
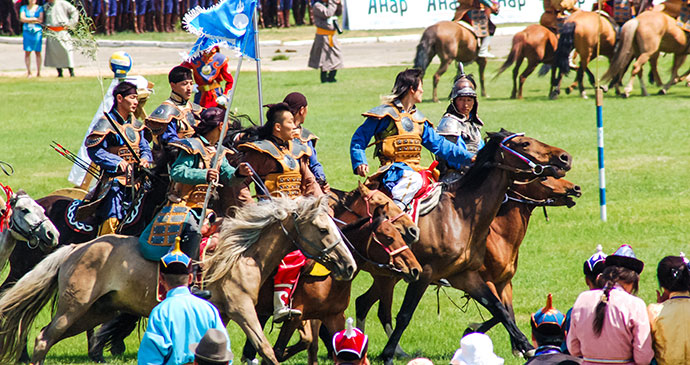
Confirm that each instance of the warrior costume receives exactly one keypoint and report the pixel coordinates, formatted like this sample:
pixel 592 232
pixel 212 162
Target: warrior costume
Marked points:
pixel 309 139
pixel 210 70
pixel 173 120
pixel 478 14
pixel 284 168
pixel 554 13
pixel 684 17
pixel 399 137
pixel 107 149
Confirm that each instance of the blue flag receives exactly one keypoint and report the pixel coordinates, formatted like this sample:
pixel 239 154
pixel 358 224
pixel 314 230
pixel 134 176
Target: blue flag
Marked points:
pixel 230 22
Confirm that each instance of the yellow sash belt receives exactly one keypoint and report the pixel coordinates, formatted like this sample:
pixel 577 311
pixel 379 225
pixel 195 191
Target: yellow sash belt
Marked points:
pixel 329 33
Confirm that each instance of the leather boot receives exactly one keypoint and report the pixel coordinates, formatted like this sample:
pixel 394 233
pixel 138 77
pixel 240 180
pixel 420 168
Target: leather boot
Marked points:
pixel 139 24
pixel 484 48
pixel 282 310
pixel 279 18
pixel 173 22
pixel 331 76
pixel 113 20
pixel 59 70
pixel 106 27
pixel 190 246
pixel 324 76
pixel 166 23
pixel 286 18
pixel 158 22
pixel 71 74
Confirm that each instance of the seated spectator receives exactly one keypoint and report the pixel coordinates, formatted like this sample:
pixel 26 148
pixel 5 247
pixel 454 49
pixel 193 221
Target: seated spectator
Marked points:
pixel 548 335
pixel 179 320
pixel 476 349
pixel 213 349
pixel 670 318
pixel 610 325
pixel 350 346
pixel 592 267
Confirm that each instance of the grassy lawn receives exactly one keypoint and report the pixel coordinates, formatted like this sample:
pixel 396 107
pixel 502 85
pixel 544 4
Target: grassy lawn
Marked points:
pixel 647 167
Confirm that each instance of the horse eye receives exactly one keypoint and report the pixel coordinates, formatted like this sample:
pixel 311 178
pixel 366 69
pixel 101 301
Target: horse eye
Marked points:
pixel 525 144
pixel 323 231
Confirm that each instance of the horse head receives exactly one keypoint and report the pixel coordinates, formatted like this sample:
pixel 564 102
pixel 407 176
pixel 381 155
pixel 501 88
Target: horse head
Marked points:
pixel 372 199
pixel 29 223
pixel 547 191
pixel 527 157
pixel 319 238
pixel 381 246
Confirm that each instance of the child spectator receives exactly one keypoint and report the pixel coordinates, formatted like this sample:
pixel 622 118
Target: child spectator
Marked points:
pixel 476 349
pixel 547 335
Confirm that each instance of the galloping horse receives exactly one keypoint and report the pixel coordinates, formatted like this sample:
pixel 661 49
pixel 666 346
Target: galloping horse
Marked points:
pixel 583 30
pixel 25 222
pixel 377 246
pixel 643 38
pixel 451 42
pixel 536 43
pixel 452 244
pixel 95 280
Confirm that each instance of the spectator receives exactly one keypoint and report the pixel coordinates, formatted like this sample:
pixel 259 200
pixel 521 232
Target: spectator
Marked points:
pixel 670 317
pixel 60 15
pixel 325 52
pixel 476 349
pixel 611 325
pixel 179 320
pixel 350 346
pixel 547 335
pixel 31 14
pixel 213 349
pixel 420 361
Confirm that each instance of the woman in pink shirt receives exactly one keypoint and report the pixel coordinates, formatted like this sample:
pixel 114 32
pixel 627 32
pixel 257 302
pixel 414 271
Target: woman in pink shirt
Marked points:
pixel 610 325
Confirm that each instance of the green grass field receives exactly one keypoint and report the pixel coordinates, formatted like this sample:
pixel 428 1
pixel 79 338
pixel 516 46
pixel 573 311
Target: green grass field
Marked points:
pixel 647 167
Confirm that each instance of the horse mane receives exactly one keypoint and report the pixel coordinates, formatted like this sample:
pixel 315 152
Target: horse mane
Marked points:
pixel 240 232
pixel 484 162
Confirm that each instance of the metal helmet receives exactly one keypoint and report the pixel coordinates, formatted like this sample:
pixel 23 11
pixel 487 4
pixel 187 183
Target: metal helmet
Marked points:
pixel 120 64
pixel 463 87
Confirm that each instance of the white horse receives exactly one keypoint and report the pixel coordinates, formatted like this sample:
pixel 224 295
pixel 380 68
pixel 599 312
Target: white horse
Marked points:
pixel 27 222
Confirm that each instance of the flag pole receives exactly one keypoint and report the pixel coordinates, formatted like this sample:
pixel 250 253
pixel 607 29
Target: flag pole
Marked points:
pixel 258 65
pixel 599 99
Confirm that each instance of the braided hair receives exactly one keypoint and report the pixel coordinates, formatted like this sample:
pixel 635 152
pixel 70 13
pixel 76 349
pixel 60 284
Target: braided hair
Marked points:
pixel 608 280
pixel 673 274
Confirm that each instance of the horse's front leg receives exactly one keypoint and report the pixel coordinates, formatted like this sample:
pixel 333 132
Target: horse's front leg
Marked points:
pixel 677 62
pixel 249 351
pixel 481 62
pixel 242 311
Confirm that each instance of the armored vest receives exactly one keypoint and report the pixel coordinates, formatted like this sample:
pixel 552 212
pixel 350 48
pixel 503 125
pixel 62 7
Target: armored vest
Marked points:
pixel 206 73
pixel 192 196
pixel 684 17
pixel 402 140
pixel 289 179
pixel 306 135
pixel 131 132
pixel 169 110
pixel 622 11
pixel 451 126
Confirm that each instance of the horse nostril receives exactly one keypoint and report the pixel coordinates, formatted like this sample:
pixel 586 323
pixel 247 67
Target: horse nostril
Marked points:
pixel 50 235
pixel 577 189
pixel 350 271
pixel 564 158
pixel 415 273
pixel 414 233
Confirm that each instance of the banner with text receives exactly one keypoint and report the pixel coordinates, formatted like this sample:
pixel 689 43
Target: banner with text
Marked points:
pixel 402 14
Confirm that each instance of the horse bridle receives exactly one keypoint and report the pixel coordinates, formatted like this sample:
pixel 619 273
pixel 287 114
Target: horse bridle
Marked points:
pixel 535 169
pixel 8 219
pixel 322 256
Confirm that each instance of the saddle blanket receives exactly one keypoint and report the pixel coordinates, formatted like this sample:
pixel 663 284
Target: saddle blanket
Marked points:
pixel 425 201
pixel 468 26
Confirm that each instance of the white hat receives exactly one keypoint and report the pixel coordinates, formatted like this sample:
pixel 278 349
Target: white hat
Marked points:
pixel 476 349
pixel 420 361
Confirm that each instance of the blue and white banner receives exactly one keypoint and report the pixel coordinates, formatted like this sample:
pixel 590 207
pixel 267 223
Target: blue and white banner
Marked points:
pixel 229 21
pixel 403 14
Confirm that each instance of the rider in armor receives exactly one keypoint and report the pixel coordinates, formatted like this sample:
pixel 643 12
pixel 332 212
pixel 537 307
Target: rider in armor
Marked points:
pixel 190 174
pixel 174 119
pixel 684 17
pixel 477 13
pixel 400 131
pixel 107 148
pixel 210 70
pixel 554 13
pixel 461 124
pixel 282 163
pixel 298 107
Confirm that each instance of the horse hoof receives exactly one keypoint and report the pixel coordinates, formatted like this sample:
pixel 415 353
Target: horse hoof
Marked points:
pixel 97 359
pixel 567 91
pixel 662 92
pixel 400 353
pixel 117 348
pixel 625 95
pixel 584 95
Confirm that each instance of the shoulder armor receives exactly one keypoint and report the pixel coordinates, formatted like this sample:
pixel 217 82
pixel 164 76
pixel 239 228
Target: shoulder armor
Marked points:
pixel 219 59
pixel 192 146
pixel 299 149
pixel 164 113
pixel 382 111
pixel 450 125
pixel 418 117
pixel 306 136
pixel 196 108
pixel 103 127
pixel 262 146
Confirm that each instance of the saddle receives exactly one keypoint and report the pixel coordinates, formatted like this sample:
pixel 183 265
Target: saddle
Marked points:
pixel 425 201
pixel 468 26
pixel 85 225
pixel 608 17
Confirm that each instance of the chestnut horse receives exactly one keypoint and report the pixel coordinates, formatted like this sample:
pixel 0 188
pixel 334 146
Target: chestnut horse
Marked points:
pixel 95 280
pixel 377 247
pixel 452 244
pixel 451 42
pixel 536 43
pixel 644 37
pixel 583 30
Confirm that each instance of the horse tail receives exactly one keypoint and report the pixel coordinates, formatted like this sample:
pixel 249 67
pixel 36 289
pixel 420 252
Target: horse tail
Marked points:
pixel 623 53
pixel 544 69
pixel 425 50
pixel 566 43
pixel 515 52
pixel 20 304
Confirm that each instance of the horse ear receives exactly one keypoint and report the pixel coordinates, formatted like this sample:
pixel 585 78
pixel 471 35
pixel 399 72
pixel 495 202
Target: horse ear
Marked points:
pixel 21 192
pixel 363 189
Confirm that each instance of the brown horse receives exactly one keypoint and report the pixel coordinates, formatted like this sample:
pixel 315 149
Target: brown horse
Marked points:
pixel 503 242
pixel 583 30
pixel 378 247
pixel 452 244
pixel 644 37
pixel 536 43
pixel 95 280
pixel 451 42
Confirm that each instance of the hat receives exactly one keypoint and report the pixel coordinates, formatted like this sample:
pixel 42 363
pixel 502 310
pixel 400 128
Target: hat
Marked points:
pixel 120 64
pixel 295 101
pixel 212 347
pixel 476 349
pixel 420 361
pixel 625 257
pixel 548 320
pixel 463 87
pixel 351 343
pixel 175 261
pixel 595 263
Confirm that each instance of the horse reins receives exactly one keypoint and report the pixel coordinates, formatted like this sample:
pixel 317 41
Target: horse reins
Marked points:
pixel 6 168
pixel 323 253
pixel 535 169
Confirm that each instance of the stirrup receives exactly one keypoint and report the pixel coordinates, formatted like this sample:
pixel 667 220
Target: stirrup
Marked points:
pixel 203 294
pixel 285 313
